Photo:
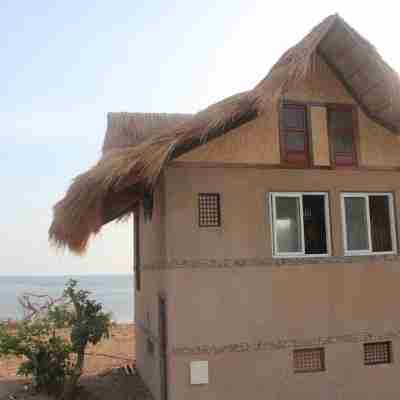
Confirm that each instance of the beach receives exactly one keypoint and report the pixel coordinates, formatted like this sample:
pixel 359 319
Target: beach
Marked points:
pixel 115 352
pixel 101 373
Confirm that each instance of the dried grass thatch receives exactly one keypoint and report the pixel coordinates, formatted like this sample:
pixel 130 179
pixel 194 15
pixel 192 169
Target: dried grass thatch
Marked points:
pixel 134 155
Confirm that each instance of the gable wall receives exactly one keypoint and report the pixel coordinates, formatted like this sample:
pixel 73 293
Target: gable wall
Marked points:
pixel 258 141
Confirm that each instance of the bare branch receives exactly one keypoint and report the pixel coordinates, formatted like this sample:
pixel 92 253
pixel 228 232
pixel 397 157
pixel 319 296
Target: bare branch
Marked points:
pixel 35 305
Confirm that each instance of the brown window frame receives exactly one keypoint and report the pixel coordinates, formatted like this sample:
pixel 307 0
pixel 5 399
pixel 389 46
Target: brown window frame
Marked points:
pixel 355 159
pixel 307 162
pixel 389 349
pixel 321 351
pixel 136 250
pixel 200 218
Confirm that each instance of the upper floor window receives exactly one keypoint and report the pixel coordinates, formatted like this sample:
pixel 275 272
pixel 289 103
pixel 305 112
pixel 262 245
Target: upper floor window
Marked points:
pixel 368 223
pixel 342 134
pixel 300 224
pixel 294 134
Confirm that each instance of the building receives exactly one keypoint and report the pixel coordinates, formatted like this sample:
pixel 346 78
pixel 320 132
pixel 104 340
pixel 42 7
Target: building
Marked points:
pixel 266 227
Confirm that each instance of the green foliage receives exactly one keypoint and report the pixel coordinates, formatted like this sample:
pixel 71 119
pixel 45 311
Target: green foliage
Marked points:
pixel 56 362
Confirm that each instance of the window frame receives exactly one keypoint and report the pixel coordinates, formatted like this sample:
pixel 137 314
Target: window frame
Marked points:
pixel 392 217
pixel 272 209
pixel 343 107
pixel 307 136
pixel 321 351
pixel 217 196
pixel 387 343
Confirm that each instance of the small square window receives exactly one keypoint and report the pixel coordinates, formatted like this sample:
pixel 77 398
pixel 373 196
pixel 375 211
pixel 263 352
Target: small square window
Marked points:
pixel 309 360
pixel 377 353
pixel 209 210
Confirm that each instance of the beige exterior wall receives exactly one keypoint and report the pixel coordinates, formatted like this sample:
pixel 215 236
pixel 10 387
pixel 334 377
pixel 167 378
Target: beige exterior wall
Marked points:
pixel 254 142
pixel 378 147
pixel 268 375
pixel 245 230
pixel 322 86
pixel 228 307
pixel 257 142
pixel 153 283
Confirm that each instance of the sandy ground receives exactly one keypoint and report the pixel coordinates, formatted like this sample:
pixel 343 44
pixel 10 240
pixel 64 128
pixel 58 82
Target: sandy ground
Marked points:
pixel 103 379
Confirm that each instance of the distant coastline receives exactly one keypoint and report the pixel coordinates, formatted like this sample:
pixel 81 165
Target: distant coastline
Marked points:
pixel 114 291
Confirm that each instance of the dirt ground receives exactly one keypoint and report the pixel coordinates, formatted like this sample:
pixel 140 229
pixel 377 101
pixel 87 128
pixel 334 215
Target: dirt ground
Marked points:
pixel 104 375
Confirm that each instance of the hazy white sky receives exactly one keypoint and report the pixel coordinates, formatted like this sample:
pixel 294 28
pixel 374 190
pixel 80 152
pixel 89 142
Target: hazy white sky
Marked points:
pixel 64 64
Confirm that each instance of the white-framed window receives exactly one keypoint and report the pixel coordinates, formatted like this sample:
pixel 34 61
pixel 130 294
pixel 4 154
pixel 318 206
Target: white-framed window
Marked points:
pixel 368 223
pixel 300 224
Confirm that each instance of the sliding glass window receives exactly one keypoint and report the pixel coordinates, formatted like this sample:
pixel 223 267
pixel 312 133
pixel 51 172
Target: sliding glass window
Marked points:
pixel 300 224
pixel 368 223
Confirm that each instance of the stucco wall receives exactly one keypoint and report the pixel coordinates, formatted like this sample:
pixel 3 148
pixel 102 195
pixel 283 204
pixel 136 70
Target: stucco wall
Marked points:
pixel 258 141
pixel 245 230
pixel 268 375
pixel 153 282
pixel 217 307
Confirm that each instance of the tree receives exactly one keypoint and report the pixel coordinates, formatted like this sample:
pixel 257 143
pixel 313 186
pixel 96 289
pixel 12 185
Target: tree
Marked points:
pixel 56 361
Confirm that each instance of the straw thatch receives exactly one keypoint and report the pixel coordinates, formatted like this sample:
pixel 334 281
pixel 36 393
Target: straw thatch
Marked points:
pixel 129 129
pixel 138 146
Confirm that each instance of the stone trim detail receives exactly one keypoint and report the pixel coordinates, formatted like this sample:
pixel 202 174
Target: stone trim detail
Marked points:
pixel 283 344
pixel 269 262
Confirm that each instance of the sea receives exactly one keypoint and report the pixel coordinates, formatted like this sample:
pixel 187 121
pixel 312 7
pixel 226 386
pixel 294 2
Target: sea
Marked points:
pixel 115 292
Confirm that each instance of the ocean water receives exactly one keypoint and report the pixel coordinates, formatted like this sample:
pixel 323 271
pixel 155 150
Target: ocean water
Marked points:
pixel 115 292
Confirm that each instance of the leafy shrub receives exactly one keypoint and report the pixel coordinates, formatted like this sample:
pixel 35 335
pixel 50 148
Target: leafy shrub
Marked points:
pixel 54 361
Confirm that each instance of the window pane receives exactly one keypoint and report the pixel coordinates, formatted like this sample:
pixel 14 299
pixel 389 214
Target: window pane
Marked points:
pixel 344 142
pixel 287 224
pixel 314 224
pixel 294 117
pixel 295 141
pixel 380 223
pixel 341 120
pixel 356 223
pixel 342 131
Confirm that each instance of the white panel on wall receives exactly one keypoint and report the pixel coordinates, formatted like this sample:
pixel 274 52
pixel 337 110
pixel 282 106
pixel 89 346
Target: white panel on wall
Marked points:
pixel 198 372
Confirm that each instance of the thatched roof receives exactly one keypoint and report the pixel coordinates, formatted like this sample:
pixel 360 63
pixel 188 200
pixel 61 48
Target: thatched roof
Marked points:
pixel 139 146
pixel 129 129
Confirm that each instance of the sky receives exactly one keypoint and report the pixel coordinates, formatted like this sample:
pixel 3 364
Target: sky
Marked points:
pixel 65 64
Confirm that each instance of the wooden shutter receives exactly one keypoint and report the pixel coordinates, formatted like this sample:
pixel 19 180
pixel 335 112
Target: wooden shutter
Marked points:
pixel 342 128
pixel 294 135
